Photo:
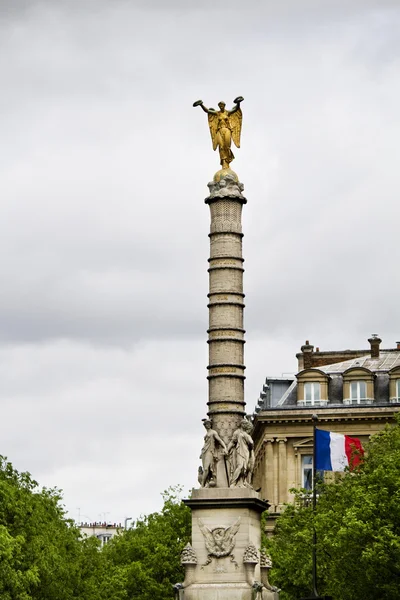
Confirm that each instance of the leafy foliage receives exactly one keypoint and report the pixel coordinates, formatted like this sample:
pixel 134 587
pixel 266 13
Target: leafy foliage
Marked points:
pixel 290 549
pixel 358 531
pixel 43 557
pixel 145 560
pixel 41 554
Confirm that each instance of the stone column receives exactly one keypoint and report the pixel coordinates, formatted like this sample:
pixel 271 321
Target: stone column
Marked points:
pixel 226 533
pixel 269 468
pixel 226 334
pixel 282 461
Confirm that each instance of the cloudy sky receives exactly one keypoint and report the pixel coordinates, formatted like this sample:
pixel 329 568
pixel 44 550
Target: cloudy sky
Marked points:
pixel 104 232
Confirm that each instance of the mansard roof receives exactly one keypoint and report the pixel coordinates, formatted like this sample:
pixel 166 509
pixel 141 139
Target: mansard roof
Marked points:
pixel 385 362
pixel 388 362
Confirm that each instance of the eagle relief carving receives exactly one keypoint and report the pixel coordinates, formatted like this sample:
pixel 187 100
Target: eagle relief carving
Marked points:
pixel 219 541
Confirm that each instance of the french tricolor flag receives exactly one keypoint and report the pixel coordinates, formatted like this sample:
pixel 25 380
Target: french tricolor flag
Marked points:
pixel 335 451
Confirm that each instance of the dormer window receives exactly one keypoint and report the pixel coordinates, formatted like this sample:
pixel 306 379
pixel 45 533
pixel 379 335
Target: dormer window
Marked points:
pixel 312 392
pixel 394 385
pixel 358 386
pixel 358 392
pixel 312 388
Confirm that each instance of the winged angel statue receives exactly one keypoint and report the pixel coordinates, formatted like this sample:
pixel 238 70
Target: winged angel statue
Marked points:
pixel 219 541
pixel 225 126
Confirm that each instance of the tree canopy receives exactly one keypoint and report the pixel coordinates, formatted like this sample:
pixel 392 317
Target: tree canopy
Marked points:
pixel 41 553
pixel 44 557
pixel 146 558
pixel 357 522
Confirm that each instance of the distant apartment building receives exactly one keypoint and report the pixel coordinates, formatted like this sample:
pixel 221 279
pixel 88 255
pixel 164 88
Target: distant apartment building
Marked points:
pixel 102 530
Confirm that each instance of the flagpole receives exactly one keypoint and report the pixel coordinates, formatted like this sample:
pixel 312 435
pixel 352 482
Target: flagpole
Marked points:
pixel 314 546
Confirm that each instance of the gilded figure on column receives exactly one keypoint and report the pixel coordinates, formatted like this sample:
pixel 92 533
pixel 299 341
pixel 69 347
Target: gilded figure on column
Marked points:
pixel 225 126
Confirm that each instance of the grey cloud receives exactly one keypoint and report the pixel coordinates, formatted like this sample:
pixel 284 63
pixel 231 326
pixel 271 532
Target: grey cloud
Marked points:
pixel 88 412
pixel 103 235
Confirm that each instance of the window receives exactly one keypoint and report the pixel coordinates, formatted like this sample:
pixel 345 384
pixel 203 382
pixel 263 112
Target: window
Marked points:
pixel 358 386
pixel 358 391
pixel 104 539
pixel 307 471
pixel 312 392
pixel 394 385
pixel 312 388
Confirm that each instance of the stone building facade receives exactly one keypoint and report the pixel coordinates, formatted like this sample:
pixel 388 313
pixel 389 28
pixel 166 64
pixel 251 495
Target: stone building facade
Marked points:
pixel 355 392
pixel 102 530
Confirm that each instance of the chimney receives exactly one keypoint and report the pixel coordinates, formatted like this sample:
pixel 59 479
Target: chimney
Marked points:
pixel 307 351
pixel 375 341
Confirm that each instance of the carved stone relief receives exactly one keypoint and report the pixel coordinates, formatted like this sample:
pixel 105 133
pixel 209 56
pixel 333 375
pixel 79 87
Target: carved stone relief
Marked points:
pixel 219 541
pixel 265 560
pixel 250 554
pixel 266 565
pixel 226 427
pixel 227 187
pixel 188 555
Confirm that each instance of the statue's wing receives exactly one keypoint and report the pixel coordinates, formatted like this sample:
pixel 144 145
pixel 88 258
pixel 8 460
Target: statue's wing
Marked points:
pixel 213 125
pixel 231 531
pixel 236 125
pixel 208 536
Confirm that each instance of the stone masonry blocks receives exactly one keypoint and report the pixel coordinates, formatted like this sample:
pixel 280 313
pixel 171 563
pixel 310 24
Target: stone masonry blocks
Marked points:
pixel 226 315
pixel 226 356
pixel 226 388
pixel 219 351
pixel 226 280
pixel 225 244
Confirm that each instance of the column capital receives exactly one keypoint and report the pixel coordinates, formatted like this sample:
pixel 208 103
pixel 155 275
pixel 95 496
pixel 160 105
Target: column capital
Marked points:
pixel 281 440
pixel 268 439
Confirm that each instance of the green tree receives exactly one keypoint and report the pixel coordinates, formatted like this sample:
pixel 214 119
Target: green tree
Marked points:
pixel 290 550
pixel 358 531
pixel 144 562
pixel 41 553
pixel 43 557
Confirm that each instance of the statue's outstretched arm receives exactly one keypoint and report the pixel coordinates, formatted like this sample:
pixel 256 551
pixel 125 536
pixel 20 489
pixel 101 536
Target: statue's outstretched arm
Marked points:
pixel 237 102
pixel 209 111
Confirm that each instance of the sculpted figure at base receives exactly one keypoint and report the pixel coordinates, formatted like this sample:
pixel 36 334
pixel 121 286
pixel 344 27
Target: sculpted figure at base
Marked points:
pixel 241 456
pixel 225 126
pixel 209 455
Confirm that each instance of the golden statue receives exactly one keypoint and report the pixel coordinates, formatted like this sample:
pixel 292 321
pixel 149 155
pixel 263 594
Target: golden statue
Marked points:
pixel 225 126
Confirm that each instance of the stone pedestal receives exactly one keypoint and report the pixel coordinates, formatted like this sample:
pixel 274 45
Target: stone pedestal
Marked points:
pixel 226 538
